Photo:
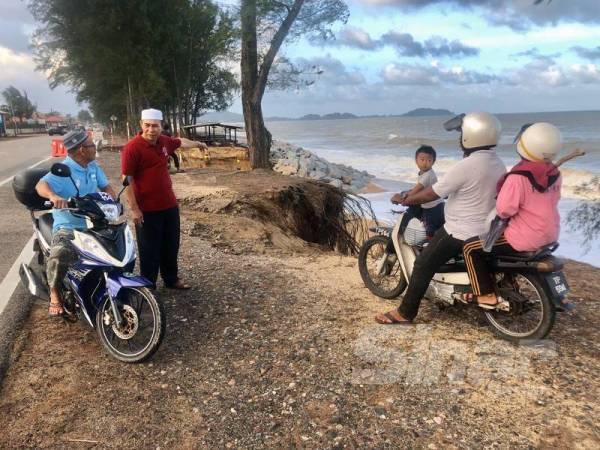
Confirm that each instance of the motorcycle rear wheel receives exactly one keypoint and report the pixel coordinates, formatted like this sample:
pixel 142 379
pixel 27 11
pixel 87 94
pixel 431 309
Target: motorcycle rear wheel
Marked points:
pixel 389 284
pixel 531 315
pixel 144 328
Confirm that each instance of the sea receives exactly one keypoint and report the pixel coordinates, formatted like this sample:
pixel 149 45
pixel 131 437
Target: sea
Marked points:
pixel 385 148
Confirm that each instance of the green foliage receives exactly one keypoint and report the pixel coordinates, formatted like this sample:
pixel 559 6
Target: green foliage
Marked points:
pixel 18 104
pixel 265 26
pixel 315 18
pixel 123 56
pixel 84 116
pixel 586 216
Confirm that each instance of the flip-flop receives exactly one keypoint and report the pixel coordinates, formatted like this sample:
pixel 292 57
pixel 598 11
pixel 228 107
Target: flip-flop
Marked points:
pixel 471 299
pixel 392 320
pixel 56 315
pixel 179 285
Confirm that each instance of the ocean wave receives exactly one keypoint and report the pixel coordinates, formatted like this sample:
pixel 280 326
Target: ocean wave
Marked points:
pixel 404 169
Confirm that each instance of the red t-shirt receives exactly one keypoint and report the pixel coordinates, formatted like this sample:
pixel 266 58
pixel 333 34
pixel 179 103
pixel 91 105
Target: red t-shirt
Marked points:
pixel 147 164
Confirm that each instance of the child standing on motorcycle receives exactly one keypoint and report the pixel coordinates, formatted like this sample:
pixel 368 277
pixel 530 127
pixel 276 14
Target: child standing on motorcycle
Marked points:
pixel 431 213
pixel 528 198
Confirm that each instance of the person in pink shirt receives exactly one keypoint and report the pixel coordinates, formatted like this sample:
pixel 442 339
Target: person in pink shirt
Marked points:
pixel 528 197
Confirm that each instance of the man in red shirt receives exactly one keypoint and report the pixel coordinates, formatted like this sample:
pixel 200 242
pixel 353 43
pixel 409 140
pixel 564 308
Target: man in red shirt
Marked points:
pixel 151 199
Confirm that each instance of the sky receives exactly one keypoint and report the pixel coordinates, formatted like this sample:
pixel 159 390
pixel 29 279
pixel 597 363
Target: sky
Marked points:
pixel 395 55
pixel 17 66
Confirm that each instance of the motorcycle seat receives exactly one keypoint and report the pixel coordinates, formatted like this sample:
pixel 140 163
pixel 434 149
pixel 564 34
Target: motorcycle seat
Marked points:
pixel 542 253
pixel 45 223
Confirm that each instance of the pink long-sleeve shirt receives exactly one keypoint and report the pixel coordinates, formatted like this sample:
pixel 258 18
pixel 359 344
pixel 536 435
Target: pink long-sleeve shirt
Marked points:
pixel 534 218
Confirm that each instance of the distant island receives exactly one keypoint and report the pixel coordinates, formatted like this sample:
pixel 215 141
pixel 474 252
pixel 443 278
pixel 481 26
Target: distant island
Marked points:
pixel 227 116
pixel 427 112
pixel 332 116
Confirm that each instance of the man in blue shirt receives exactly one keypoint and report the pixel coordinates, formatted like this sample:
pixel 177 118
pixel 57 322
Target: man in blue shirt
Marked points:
pixel 89 178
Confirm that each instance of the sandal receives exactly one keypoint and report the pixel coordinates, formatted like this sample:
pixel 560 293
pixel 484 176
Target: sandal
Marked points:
pixel 56 311
pixel 470 298
pixel 388 319
pixel 180 285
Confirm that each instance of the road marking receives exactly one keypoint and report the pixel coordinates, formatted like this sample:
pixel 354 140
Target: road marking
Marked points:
pixel 12 278
pixel 30 167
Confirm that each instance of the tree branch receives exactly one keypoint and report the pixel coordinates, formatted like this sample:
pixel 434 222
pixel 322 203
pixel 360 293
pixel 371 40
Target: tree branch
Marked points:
pixel 276 43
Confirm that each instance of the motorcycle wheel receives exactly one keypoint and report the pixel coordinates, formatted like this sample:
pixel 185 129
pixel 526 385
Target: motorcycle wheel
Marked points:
pixel 391 282
pixel 144 327
pixel 531 315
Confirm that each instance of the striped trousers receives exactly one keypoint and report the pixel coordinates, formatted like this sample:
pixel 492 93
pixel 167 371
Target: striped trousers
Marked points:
pixel 477 263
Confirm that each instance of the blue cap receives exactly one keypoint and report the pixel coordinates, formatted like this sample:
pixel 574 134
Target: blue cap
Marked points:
pixel 74 139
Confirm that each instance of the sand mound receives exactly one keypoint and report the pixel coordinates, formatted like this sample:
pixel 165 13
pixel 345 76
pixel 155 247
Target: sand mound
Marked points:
pixel 262 210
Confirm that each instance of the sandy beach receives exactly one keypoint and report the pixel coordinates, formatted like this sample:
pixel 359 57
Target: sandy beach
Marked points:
pixel 275 347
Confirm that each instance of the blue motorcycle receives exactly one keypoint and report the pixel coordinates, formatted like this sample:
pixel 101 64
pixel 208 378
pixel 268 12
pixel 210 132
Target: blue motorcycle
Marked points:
pixel 99 286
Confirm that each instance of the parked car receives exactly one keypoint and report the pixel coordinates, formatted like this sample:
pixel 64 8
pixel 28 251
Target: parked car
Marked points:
pixel 60 130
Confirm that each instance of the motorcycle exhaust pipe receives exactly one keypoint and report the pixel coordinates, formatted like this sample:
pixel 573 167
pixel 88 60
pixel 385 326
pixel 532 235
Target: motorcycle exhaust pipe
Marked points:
pixel 32 282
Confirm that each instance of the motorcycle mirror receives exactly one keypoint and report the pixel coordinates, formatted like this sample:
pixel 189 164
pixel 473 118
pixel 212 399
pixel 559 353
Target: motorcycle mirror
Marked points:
pixel 126 182
pixel 60 170
pixel 455 123
pixel 64 171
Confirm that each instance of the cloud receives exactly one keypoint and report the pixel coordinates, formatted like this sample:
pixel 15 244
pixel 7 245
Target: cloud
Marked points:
pixel 535 53
pixel 18 70
pixel 541 71
pixel 519 15
pixel 334 72
pixel 404 43
pixel 532 52
pixel 15 24
pixel 588 53
pixel 545 72
pixel 586 73
pixel 435 74
pixel 357 38
pixel 13 36
pixel 438 46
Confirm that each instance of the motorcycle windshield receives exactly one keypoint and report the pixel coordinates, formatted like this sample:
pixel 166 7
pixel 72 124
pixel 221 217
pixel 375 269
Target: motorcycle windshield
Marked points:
pixel 521 131
pixel 455 123
pixel 112 239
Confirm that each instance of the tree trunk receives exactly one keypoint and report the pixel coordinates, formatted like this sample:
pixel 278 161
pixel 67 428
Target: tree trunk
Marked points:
pixel 259 139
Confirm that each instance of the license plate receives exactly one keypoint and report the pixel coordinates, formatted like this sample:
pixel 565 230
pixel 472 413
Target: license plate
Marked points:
pixel 558 284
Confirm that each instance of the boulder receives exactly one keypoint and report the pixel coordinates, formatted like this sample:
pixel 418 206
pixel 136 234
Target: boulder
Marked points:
pixel 346 179
pixel 289 159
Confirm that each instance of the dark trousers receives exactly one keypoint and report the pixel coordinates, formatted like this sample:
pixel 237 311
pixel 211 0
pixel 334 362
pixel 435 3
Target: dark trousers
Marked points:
pixel 477 263
pixel 441 248
pixel 433 218
pixel 158 244
pixel 175 160
pixel 413 211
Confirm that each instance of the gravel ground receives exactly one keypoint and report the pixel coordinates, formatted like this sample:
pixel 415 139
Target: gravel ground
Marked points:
pixel 278 349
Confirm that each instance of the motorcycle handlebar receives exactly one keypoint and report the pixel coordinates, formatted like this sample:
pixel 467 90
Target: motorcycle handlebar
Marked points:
pixel 70 203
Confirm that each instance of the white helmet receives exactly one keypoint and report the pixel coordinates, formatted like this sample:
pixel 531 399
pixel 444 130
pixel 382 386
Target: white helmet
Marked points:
pixel 478 129
pixel 539 142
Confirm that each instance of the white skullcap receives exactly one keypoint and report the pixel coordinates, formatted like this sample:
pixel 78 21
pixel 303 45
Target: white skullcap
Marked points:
pixel 152 114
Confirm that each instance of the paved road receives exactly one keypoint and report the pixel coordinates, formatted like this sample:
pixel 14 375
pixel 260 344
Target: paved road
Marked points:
pixel 15 231
pixel 15 225
pixel 17 154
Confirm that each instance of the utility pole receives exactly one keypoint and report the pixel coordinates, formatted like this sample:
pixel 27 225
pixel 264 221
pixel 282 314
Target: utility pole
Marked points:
pixel 12 112
pixel 113 119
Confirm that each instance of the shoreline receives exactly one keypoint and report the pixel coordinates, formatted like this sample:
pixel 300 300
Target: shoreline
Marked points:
pixel 374 188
